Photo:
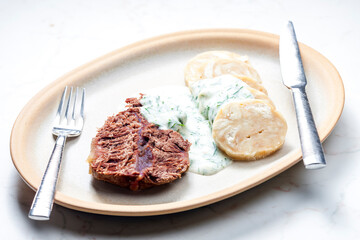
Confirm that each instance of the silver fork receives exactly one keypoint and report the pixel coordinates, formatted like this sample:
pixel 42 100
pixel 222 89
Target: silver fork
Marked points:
pixel 69 121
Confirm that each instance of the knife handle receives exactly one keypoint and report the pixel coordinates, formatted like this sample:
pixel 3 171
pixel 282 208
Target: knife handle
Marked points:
pixel 313 155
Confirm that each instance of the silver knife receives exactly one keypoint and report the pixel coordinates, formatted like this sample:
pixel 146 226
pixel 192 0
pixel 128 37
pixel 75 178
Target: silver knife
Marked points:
pixel 294 78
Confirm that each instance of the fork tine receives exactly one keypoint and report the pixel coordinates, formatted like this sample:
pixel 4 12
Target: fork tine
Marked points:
pixel 74 104
pixel 61 106
pixel 80 112
pixel 82 103
pixel 68 105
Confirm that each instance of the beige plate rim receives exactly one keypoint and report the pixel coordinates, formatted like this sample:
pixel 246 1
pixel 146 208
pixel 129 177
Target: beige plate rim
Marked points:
pixel 17 139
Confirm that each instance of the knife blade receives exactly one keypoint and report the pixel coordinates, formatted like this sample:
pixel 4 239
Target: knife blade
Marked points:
pixel 294 78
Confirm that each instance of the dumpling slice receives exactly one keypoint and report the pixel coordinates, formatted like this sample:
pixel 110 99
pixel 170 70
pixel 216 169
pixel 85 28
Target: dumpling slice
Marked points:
pixel 249 130
pixel 252 83
pixel 260 95
pixel 216 63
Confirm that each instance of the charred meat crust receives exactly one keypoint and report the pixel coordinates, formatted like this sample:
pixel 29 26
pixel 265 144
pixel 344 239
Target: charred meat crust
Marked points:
pixel 131 152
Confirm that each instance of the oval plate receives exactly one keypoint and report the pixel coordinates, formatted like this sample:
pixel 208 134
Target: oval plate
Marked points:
pixel 156 62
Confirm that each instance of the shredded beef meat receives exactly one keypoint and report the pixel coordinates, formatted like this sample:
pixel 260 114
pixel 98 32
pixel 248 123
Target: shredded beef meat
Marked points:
pixel 131 152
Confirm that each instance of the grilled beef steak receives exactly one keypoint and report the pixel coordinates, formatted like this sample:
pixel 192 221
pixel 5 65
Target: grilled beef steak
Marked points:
pixel 131 152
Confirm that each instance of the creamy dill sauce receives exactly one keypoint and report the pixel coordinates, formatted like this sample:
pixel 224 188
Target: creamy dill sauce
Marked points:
pixel 178 112
pixel 191 114
pixel 211 94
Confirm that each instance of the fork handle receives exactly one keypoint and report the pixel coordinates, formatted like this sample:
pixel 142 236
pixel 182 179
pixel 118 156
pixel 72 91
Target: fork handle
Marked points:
pixel 44 197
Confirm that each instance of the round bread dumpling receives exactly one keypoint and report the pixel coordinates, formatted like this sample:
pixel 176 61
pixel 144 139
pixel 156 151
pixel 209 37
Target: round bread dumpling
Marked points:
pixel 249 130
pixel 260 95
pixel 215 63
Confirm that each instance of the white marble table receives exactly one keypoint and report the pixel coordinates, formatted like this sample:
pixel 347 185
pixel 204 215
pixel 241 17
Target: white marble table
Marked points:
pixel 42 40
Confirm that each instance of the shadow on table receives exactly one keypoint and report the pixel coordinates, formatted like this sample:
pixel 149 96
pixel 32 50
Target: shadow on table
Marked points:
pixel 278 197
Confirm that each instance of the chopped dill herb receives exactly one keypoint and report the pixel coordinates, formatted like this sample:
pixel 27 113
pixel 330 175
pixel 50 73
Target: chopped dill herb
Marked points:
pixel 216 149
pixel 237 91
